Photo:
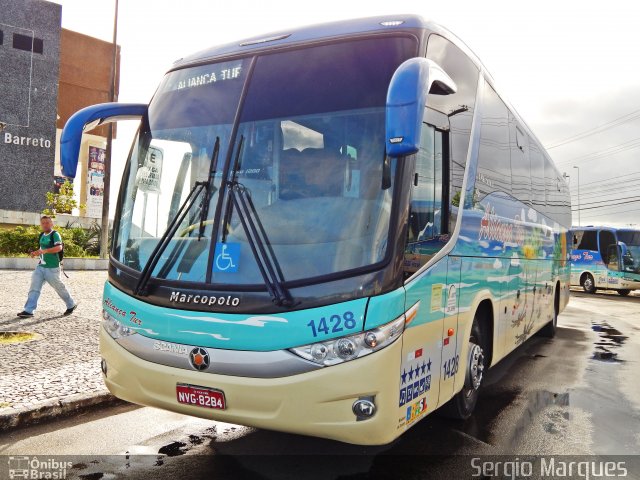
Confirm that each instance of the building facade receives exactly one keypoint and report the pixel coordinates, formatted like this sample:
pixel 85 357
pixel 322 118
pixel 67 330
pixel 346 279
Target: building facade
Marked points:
pixel 29 56
pixel 47 73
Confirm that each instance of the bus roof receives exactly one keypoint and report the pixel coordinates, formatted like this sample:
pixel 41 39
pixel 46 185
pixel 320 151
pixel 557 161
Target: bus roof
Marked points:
pixel 310 34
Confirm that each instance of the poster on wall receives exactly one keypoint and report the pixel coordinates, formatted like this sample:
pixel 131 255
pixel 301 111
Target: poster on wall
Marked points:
pixel 95 181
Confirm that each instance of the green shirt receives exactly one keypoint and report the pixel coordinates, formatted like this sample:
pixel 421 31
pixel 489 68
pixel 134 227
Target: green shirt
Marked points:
pixel 50 260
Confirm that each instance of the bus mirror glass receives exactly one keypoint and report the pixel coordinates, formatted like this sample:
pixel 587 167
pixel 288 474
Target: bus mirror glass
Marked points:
pixel 407 96
pixel 87 119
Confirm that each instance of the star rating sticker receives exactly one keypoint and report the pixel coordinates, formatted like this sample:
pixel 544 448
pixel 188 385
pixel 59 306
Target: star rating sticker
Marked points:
pixel 403 376
pixel 410 373
pixel 416 371
pixel 429 365
pixel 423 367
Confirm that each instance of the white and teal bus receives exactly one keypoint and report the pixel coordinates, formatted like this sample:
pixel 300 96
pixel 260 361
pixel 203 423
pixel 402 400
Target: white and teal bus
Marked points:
pixel 606 258
pixel 331 231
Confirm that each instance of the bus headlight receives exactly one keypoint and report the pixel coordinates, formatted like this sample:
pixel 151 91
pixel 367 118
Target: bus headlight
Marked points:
pixel 114 327
pixel 343 349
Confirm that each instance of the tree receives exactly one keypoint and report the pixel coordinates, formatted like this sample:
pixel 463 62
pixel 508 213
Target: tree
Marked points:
pixel 61 201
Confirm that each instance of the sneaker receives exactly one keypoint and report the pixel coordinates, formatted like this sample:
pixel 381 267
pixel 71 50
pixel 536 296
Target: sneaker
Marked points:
pixel 24 314
pixel 69 311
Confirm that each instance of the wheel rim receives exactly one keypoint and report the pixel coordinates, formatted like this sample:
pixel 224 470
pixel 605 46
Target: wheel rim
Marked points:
pixel 588 283
pixel 475 368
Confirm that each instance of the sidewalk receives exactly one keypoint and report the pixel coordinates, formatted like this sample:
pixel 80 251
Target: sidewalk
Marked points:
pixel 58 372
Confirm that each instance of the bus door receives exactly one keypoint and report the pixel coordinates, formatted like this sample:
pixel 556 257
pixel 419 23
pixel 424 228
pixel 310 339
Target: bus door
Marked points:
pixel 424 340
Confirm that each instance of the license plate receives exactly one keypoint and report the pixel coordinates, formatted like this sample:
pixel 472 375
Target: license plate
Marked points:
pixel 200 396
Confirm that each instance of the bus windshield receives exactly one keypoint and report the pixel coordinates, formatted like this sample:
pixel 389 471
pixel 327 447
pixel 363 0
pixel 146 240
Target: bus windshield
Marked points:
pixel 630 260
pixel 307 155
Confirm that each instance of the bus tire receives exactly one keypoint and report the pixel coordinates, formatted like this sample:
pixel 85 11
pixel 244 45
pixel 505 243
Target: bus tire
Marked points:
pixel 624 292
pixel 588 283
pixel 461 406
pixel 549 330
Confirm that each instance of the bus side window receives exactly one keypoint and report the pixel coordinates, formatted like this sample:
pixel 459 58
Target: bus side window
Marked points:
pixel 586 240
pixel 576 240
pixel 552 190
pixel 459 109
pixel 537 177
pixel 494 164
pixel 520 167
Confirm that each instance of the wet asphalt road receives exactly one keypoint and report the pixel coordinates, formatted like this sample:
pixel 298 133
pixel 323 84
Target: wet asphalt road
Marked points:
pixel 576 394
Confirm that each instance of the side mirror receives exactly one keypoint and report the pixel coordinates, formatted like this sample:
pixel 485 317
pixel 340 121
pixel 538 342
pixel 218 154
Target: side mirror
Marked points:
pixel 406 100
pixel 87 119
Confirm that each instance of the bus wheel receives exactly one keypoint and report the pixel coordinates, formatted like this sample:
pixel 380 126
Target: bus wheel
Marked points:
pixel 588 284
pixel 624 292
pixel 462 404
pixel 549 330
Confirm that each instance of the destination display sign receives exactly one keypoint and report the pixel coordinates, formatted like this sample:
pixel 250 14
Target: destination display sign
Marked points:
pixel 204 75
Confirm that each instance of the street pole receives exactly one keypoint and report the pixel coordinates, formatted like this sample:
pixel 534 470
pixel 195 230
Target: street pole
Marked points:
pixel 578 168
pixel 104 237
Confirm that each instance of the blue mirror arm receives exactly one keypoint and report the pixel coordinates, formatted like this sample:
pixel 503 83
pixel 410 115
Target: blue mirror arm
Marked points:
pixel 87 119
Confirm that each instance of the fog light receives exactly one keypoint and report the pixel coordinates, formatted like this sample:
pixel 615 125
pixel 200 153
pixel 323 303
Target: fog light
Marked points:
pixel 363 408
pixel 103 366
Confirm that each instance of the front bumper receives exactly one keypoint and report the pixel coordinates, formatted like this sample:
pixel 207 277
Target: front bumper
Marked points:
pixel 317 403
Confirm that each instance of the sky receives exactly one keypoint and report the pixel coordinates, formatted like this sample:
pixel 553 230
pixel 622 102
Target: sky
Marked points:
pixel 570 68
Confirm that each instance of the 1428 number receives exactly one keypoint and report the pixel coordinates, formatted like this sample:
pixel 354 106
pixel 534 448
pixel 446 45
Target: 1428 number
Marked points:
pixel 334 324
pixel 451 366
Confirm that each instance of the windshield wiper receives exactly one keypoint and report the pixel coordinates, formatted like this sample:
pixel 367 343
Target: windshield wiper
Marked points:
pixel 141 287
pixel 234 175
pixel 268 265
pixel 260 246
pixel 209 187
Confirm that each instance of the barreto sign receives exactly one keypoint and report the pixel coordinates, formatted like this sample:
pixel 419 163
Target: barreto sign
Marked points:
pixel 40 142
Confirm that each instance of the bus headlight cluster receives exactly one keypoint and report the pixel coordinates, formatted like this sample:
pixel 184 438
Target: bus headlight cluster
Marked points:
pixel 115 327
pixel 343 349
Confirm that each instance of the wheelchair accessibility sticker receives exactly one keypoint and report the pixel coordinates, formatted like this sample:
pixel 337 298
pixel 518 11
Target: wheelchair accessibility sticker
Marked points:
pixel 227 257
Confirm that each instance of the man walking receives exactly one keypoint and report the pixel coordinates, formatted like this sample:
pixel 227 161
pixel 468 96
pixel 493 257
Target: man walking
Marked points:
pixel 48 270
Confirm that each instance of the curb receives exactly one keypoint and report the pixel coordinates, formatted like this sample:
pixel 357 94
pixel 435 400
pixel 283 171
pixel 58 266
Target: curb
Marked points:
pixel 70 263
pixel 56 408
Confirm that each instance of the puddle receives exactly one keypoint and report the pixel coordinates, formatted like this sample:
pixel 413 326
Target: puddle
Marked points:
pixel 536 402
pixel 18 337
pixel 195 440
pixel 173 449
pixel 609 339
pixel 92 476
